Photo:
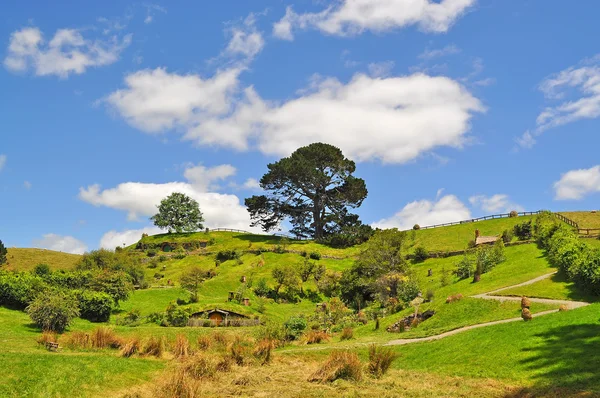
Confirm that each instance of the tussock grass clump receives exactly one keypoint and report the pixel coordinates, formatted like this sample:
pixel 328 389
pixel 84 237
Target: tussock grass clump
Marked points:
pixel 237 353
pixel 454 298
pixel 204 342
pixel 316 337
pixel 178 385
pixel 380 360
pixel 155 347
pixel 563 307
pixel 78 340
pixel 263 351
pixel 131 347
pixel 347 334
pixel 220 338
pixel 224 365
pixel 181 349
pixel 47 337
pixel 526 314
pixel 200 366
pixel 104 337
pixel 525 302
pixel 339 365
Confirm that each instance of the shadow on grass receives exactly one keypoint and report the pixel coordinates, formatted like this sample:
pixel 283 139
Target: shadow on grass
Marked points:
pixel 574 292
pixel 565 364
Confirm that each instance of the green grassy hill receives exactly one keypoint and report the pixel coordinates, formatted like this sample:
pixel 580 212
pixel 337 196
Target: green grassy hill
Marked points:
pixel 27 259
pixel 585 219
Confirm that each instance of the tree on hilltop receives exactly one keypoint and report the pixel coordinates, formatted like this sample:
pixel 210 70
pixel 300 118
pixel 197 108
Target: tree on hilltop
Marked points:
pixel 3 253
pixel 178 212
pixel 312 188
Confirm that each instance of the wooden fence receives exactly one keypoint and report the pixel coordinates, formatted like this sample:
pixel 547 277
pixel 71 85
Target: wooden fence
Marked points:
pixel 583 232
pixel 490 217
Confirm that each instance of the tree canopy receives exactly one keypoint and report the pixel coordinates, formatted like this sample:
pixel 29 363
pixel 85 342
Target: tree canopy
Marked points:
pixel 178 212
pixel 3 252
pixel 313 188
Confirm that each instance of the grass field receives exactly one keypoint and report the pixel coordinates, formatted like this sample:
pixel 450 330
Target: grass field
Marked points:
pixel 557 287
pixel 27 259
pixel 585 219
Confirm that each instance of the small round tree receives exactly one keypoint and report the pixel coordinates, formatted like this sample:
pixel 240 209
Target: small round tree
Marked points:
pixel 53 311
pixel 180 213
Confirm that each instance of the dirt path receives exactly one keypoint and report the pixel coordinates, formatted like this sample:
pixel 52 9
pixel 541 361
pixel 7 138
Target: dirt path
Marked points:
pixel 490 296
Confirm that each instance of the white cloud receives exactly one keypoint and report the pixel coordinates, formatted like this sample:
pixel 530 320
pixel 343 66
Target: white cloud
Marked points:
pixel 402 116
pixel 140 199
pixel 27 185
pixel 3 159
pixel 526 140
pixel 245 39
pixel 67 244
pixel 151 10
pixel 576 184
pixel 578 89
pixel 430 54
pixel 251 183
pixel 67 52
pixel 495 203
pixel 203 178
pixel 112 239
pixel 381 69
pixel 425 212
pixel 351 17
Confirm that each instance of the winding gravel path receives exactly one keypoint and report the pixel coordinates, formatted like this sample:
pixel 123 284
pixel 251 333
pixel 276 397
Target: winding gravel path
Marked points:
pixel 490 296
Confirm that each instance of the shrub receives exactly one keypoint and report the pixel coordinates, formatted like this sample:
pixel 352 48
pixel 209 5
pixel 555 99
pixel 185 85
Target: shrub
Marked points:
pixel 513 214
pixel 273 331
pixel 42 270
pixel 316 337
pixel 421 254
pixel 380 360
pixel 315 256
pixel 131 347
pixel 151 253
pixel 225 255
pixel 155 317
pixel 3 253
pixel 507 236
pixel 294 327
pixel 19 289
pixel 53 312
pixel 181 348
pixel 525 302
pixel 177 316
pixel 154 346
pixel 524 230
pixel 263 350
pixel 429 295
pixel 445 278
pixel 347 333
pixel 180 256
pixel 95 306
pixel 162 258
pixel 416 227
pixel 152 264
pixel 339 365
pixel 464 268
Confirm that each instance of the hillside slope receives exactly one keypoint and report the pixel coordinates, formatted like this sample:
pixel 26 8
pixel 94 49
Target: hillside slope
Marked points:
pixel 27 259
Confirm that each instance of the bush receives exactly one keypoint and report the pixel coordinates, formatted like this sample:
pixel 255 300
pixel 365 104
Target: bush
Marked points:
pixel 316 337
pixel 294 327
pixel 155 317
pixel 315 256
pixel 507 236
pixel 524 230
pixel 339 365
pixel 162 258
pixel 151 253
pixel 225 255
pixel 95 306
pixel 154 346
pixel 380 360
pixel 19 289
pixel 421 254
pixel 176 316
pixel 513 214
pixel 3 253
pixel 53 312
pixel 42 270
pixel 416 227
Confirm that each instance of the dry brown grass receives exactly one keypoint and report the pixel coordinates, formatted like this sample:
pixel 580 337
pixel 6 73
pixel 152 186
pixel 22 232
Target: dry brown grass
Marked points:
pixel 380 360
pixel 316 337
pixel 238 352
pixel 47 337
pixel 131 347
pixel 343 365
pixel 104 337
pixel 181 348
pixel 347 334
pixel 200 366
pixel 155 346
pixel 220 338
pixel 263 351
pixel 78 340
pixel 178 385
pixel 204 342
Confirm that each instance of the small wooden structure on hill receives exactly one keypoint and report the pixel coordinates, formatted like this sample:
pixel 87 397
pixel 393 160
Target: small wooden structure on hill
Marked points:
pixel 484 240
pixel 219 317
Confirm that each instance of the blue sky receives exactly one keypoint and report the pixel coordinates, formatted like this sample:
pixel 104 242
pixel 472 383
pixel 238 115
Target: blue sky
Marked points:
pixel 452 109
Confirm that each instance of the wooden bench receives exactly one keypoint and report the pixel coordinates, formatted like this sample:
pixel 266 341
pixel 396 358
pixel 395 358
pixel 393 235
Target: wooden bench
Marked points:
pixel 52 346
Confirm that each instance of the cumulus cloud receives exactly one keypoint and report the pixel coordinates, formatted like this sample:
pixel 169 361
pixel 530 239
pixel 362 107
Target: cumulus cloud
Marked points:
pixel 251 183
pixel 141 199
pixel 112 239
pixel 577 89
pixel 576 184
pixel 66 53
pixel 203 178
pixel 352 17
pixel 403 116
pixel 245 40
pixel 67 244
pixel 425 212
pixel 495 203
pixel 381 69
pixel 3 159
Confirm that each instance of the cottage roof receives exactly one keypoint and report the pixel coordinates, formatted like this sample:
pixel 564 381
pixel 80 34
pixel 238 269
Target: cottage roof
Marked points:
pixel 482 240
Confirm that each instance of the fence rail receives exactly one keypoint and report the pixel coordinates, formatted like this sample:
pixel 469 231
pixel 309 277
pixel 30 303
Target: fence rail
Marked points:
pixel 489 217
pixel 566 220
pixel 584 232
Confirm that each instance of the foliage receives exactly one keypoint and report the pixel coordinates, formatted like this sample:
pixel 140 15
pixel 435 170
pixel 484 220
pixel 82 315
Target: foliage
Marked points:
pixel 53 312
pixel 3 253
pixel 350 234
pixel 330 284
pixel 176 316
pixel 178 212
pixel 313 188
pixel 191 280
pixel 19 289
pixel 261 289
pixel 507 236
pixel 314 255
pixel 95 306
pixel 380 360
pixel 116 284
pixel 286 276
pixel 464 268
pixel 224 255
pixel 294 327
pixel 42 270
pixel 421 254
pixel 109 261
pixel 524 230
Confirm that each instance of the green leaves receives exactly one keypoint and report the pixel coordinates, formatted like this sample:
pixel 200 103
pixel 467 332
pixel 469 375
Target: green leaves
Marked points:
pixel 178 212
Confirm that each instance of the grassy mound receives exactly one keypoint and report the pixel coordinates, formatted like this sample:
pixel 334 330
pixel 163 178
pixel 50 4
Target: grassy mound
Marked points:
pixel 27 259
